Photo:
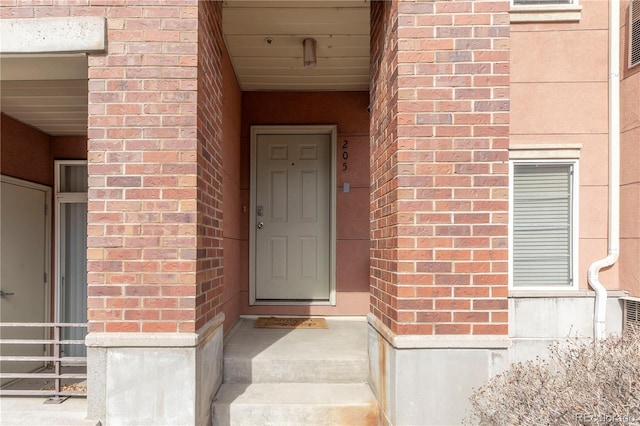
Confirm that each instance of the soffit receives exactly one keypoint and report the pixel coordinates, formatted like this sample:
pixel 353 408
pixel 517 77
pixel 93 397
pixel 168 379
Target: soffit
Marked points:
pixel 341 29
pixel 46 92
pixel 49 91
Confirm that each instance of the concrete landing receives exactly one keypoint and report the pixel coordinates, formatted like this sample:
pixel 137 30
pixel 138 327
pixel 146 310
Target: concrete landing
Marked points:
pixel 32 411
pixel 305 377
pixel 334 355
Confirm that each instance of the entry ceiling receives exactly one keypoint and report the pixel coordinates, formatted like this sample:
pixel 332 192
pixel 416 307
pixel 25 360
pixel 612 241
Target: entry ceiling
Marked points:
pixel 46 92
pixel 264 39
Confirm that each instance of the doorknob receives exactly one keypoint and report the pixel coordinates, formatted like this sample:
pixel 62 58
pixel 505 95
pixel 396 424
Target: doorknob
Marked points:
pixel 260 225
pixel 3 294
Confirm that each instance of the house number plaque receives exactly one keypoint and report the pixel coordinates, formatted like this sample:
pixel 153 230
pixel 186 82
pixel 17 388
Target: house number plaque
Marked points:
pixel 345 155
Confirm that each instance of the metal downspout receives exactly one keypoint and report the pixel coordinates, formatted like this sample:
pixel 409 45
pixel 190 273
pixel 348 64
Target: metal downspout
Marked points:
pixel 613 250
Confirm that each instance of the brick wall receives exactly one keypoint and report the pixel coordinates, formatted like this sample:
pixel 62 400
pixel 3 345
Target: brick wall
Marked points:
pixel 440 166
pixel 154 211
pixel 209 277
pixel 142 169
pixel 142 208
pixel 383 161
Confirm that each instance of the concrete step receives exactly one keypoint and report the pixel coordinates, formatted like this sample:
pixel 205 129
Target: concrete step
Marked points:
pixel 308 404
pixel 334 355
pixel 239 370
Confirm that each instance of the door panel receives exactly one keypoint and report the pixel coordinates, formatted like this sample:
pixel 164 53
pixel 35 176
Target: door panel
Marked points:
pixel 293 205
pixel 23 265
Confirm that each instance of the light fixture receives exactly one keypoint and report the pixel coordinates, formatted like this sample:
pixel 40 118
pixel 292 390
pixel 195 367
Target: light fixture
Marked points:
pixel 309 52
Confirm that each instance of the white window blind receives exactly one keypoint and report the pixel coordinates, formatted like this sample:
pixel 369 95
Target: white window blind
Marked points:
pixel 634 33
pixel 542 225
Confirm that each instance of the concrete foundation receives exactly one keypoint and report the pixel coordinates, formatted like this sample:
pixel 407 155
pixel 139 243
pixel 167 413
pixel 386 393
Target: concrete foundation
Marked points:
pixel 427 380
pixel 537 319
pixel 154 378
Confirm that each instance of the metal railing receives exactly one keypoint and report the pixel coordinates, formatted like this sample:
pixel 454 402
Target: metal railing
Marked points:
pixel 54 360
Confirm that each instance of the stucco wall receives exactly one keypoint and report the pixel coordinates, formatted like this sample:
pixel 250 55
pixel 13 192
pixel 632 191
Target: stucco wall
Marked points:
pixel 630 172
pixel 559 96
pixel 348 110
pixel 235 240
pixel 26 152
pixel 69 147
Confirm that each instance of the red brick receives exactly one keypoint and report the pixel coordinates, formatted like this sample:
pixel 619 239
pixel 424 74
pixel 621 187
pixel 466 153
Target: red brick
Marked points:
pixel 452 329
pixel 159 326
pixel 471 317
pixel 452 304
pixel 118 327
pixel 433 317
pixel 490 329
pixel 490 304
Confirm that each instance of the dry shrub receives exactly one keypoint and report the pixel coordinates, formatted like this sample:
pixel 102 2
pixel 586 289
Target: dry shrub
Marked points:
pixel 580 383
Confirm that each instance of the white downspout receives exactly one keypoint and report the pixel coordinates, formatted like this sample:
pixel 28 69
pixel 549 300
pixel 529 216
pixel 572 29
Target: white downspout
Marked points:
pixel 613 250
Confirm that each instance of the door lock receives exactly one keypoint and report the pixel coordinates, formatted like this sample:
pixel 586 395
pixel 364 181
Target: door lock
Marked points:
pixel 260 225
pixel 3 294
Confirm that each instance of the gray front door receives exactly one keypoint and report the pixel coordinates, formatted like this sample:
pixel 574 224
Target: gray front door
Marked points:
pixel 293 217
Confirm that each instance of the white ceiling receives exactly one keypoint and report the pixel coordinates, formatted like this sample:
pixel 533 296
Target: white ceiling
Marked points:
pixel 341 29
pixel 49 92
pixel 46 92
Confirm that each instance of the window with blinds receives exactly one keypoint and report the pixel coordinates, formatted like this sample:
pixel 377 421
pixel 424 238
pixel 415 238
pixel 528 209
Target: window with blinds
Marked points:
pixel 634 33
pixel 542 224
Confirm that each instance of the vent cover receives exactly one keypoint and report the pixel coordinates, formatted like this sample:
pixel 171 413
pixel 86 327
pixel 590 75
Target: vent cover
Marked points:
pixel 634 33
pixel 632 314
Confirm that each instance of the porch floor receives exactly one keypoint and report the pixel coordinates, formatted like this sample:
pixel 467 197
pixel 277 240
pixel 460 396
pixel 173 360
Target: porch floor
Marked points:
pixel 31 410
pixel 259 355
pixel 20 410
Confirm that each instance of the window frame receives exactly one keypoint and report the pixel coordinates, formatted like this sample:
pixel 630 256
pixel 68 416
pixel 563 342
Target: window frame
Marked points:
pixel 546 12
pixel 548 3
pixel 574 228
pixel 60 198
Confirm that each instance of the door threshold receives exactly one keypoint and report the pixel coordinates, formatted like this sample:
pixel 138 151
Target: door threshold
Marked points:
pixel 331 317
pixel 293 303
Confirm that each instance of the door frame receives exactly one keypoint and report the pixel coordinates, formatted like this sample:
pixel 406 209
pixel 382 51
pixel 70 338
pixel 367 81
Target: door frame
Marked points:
pixel 62 198
pixel 332 131
pixel 47 229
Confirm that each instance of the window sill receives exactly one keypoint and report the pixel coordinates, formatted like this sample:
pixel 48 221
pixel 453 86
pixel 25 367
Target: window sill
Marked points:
pixel 528 294
pixel 546 13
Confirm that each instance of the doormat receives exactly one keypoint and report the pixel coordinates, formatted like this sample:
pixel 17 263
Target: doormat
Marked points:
pixel 272 322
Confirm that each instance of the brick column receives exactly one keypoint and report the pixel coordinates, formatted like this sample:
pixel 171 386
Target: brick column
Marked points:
pixel 154 214
pixel 209 277
pixel 154 204
pixel 142 210
pixel 439 207
pixel 440 125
